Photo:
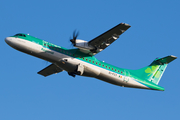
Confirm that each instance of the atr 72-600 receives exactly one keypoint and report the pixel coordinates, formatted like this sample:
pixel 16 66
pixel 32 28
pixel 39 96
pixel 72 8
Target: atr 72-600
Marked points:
pixel 81 60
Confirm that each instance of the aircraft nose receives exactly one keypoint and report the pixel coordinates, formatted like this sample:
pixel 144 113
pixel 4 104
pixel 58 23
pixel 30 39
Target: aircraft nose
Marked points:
pixel 8 40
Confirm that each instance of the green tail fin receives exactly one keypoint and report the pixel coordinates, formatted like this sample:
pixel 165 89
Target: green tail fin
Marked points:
pixel 155 70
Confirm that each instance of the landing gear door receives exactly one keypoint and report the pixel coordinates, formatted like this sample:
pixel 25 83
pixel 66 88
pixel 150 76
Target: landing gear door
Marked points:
pixel 80 69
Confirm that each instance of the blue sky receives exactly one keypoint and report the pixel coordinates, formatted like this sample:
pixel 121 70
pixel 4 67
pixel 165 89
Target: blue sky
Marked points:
pixel 25 95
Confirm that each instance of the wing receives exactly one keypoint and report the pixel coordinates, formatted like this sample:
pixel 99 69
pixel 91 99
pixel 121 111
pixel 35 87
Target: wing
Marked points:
pixel 105 39
pixel 51 69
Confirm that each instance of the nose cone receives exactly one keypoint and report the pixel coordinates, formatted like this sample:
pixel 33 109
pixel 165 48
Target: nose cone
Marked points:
pixel 8 40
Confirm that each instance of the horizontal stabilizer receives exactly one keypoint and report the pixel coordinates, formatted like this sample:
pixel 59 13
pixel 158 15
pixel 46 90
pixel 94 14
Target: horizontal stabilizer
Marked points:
pixel 166 60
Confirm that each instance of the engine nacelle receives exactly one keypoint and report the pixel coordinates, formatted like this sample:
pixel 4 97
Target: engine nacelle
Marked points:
pixel 82 44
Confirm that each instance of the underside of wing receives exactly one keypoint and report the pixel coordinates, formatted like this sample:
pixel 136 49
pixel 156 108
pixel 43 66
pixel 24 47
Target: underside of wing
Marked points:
pixel 104 40
pixel 51 69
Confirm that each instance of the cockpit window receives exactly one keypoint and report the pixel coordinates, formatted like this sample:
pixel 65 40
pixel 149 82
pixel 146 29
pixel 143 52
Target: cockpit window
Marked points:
pixel 20 35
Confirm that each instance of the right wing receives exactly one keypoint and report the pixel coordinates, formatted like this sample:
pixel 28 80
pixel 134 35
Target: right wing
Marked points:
pixel 51 69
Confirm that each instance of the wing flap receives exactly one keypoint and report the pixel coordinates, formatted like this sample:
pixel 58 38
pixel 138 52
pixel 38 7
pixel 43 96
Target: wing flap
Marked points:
pixel 51 69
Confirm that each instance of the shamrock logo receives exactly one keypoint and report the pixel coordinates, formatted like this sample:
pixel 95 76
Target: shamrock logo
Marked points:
pixel 151 71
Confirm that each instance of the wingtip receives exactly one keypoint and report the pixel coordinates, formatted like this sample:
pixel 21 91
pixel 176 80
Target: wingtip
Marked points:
pixel 173 56
pixel 125 24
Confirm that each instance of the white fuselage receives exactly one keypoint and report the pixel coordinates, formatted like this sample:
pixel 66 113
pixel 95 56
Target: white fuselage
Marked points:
pixel 69 63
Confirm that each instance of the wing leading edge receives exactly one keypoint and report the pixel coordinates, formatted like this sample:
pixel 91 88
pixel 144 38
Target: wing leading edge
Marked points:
pixel 107 38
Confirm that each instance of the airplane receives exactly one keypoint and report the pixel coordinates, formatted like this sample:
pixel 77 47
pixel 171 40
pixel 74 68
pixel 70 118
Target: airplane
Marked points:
pixel 82 61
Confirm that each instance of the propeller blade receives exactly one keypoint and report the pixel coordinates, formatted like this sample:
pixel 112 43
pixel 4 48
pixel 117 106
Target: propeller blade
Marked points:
pixel 75 35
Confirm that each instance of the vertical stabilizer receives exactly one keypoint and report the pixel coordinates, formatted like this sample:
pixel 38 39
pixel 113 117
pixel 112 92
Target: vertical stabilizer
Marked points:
pixel 155 70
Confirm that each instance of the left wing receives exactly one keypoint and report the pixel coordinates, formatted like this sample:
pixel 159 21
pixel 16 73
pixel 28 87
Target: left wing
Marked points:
pixel 51 69
pixel 104 40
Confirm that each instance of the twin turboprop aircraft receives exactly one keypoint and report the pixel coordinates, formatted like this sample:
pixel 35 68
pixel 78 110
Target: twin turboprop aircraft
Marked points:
pixel 81 61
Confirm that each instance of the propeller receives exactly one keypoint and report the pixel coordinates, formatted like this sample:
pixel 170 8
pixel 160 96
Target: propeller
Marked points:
pixel 75 35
